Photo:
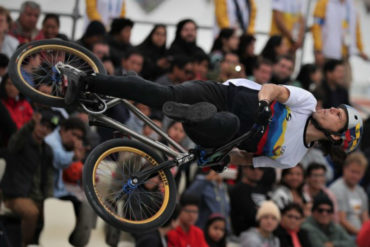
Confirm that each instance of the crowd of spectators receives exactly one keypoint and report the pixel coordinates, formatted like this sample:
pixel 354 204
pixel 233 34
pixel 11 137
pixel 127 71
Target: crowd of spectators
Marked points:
pixel 323 201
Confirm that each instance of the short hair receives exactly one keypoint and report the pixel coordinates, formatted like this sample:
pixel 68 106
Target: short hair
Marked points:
pixel 314 166
pixel 356 157
pixel 30 4
pixel 286 57
pixel 261 61
pixel 120 23
pixel 292 206
pixel 132 51
pixel 4 60
pixel 180 61
pixel 74 123
pixel 51 16
pixel 189 199
pixel 331 65
pixel 200 57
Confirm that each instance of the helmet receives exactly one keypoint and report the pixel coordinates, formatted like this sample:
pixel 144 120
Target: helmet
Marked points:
pixel 353 130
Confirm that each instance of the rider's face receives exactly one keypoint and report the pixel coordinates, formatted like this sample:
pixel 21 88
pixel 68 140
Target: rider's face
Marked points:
pixel 333 119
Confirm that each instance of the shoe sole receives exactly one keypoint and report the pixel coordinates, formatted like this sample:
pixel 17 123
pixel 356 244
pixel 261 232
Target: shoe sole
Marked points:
pixel 193 113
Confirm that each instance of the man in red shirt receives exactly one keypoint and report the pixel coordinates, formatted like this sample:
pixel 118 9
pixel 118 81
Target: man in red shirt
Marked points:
pixel 187 234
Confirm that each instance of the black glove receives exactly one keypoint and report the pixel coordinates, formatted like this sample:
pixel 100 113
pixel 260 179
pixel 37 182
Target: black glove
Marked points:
pixel 263 113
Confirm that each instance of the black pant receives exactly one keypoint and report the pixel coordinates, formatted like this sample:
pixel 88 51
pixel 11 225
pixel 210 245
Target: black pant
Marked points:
pixel 210 133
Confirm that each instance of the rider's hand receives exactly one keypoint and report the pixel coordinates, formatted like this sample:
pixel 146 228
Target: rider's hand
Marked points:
pixel 263 113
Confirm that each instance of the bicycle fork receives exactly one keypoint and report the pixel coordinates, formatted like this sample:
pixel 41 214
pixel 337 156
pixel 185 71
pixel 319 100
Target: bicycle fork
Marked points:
pixel 142 176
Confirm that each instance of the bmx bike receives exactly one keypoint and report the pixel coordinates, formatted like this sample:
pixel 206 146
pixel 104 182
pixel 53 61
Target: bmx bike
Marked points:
pixel 127 181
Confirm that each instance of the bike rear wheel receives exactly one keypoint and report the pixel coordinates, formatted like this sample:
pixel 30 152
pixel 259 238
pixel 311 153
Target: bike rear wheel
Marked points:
pixel 32 68
pixel 106 175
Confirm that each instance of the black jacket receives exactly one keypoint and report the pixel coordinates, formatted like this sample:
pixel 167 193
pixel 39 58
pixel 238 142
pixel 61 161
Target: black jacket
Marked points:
pixel 29 170
pixel 286 240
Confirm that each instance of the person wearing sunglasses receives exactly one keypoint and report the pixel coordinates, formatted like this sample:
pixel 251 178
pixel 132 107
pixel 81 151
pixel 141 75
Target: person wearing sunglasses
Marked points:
pixel 289 231
pixel 322 230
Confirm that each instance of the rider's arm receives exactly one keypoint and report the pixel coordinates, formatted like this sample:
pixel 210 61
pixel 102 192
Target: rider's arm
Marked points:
pixel 270 92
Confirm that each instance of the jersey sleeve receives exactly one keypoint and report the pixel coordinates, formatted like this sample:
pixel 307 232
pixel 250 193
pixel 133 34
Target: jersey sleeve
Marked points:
pixel 300 100
pixel 264 161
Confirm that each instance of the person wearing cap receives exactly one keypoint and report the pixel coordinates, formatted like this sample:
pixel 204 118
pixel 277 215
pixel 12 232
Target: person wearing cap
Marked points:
pixel 29 175
pixel 268 217
pixel 214 114
pixel 322 230
pixel 351 197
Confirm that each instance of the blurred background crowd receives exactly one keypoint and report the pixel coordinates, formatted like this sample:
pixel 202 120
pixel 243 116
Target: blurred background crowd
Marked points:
pixel 323 201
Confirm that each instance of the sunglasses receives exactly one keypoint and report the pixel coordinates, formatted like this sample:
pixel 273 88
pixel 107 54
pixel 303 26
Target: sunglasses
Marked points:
pixel 294 217
pixel 324 210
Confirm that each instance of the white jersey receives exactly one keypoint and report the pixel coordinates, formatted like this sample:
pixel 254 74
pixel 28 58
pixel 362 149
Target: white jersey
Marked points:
pixel 282 145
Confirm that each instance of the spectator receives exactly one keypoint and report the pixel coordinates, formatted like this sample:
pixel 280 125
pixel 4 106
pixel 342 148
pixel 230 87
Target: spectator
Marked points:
pixel 7 126
pixel 213 196
pixel 94 33
pixel 239 15
pixel 351 197
pixel 24 28
pixel 201 64
pixel 291 188
pixel 268 217
pixel 315 185
pixel 30 65
pixel 108 65
pixel 333 85
pixel 282 70
pixel 288 21
pixel 50 28
pixel 262 71
pixel 187 234
pixel 66 143
pixel 321 228
pixel 215 231
pixel 275 47
pixel 246 52
pixel 119 39
pixel 103 11
pixel 154 51
pixel 100 49
pixel 149 132
pixel 230 68
pixel 181 69
pixel 132 61
pixel 342 22
pixel 8 43
pixel 4 60
pixel 363 237
pixel 134 122
pixel 157 238
pixel 247 194
pixel 227 41
pixel 309 77
pixel 19 109
pixel 289 231
pixel 28 179
pixel 185 39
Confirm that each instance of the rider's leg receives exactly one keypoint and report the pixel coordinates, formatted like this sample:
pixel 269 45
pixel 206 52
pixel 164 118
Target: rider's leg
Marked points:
pixel 214 132
pixel 155 95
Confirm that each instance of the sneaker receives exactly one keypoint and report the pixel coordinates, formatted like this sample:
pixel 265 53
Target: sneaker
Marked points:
pixel 71 80
pixel 189 113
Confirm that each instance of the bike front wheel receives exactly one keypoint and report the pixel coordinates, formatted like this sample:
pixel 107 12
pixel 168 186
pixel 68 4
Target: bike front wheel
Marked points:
pixel 107 172
pixel 33 70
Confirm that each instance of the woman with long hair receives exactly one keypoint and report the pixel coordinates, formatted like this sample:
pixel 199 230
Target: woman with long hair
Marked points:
pixel 154 51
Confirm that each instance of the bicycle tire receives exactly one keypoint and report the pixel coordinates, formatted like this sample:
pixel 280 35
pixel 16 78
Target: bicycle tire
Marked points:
pixel 46 47
pixel 91 180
